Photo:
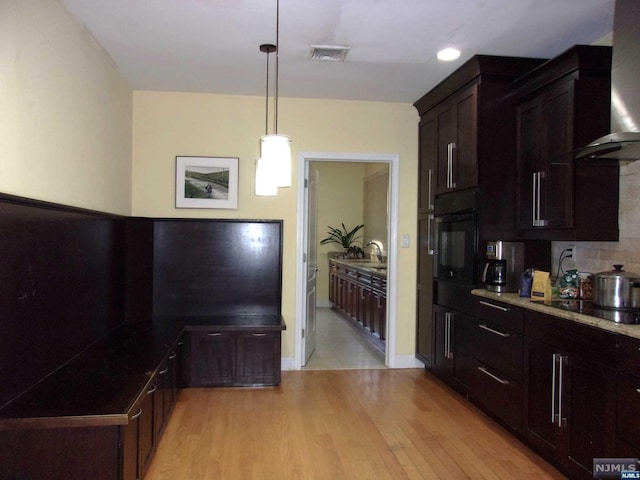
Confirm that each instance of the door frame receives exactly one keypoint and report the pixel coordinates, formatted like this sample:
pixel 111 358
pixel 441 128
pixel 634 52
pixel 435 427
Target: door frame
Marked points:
pixel 393 160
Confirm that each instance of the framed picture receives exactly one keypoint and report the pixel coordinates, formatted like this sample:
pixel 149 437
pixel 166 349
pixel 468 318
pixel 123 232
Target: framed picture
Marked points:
pixel 206 182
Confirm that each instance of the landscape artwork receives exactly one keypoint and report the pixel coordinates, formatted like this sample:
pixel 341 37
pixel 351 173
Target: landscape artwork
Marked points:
pixel 206 182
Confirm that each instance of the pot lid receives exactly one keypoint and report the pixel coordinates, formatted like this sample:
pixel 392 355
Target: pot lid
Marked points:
pixel 616 146
pixel 618 272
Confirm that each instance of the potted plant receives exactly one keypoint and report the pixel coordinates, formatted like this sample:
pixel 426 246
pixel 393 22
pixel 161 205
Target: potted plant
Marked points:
pixel 346 239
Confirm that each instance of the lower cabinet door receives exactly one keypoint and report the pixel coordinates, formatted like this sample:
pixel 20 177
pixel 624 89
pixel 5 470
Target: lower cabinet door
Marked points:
pixel 258 361
pixel 543 410
pixel 211 358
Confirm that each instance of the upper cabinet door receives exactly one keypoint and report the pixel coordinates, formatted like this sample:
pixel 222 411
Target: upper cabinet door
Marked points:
pixel 564 104
pixel 427 151
pixel 456 134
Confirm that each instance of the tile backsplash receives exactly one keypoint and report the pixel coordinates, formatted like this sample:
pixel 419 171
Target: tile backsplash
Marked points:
pixel 600 256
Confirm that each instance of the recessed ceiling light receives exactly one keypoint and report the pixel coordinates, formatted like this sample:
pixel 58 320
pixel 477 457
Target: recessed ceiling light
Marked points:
pixel 448 54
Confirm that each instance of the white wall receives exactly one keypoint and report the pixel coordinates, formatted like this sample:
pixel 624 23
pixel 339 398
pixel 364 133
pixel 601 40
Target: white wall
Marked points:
pixel 65 112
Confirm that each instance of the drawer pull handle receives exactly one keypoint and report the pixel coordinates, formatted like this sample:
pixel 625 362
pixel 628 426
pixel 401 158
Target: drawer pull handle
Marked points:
pixel 258 334
pixel 153 389
pixel 489 374
pixel 638 390
pixel 172 356
pixel 496 332
pixel 163 371
pixel 137 414
pixel 214 334
pixel 497 307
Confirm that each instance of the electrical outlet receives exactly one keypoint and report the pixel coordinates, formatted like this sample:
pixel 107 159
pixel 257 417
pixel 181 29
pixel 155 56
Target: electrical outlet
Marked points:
pixel 571 250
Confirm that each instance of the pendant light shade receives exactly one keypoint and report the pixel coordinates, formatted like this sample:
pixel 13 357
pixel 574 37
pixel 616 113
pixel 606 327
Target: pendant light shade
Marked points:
pixel 274 165
pixel 276 151
pixel 266 182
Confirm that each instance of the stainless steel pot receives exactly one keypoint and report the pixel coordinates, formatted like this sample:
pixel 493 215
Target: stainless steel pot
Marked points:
pixel 617 289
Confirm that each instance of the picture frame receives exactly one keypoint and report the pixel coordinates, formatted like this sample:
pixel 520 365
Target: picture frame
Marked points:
pixel 206 182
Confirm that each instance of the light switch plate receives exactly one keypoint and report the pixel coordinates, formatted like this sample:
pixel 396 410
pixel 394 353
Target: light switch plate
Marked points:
pixel 404 242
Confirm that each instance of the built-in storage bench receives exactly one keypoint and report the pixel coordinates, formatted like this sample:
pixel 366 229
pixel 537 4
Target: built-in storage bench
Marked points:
pixel 97 316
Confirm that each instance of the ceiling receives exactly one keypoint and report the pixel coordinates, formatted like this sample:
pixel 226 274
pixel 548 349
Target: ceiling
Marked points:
pixel 212 45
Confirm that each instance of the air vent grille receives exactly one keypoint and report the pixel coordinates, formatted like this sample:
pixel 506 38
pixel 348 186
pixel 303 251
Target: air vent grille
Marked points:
pixel 329 53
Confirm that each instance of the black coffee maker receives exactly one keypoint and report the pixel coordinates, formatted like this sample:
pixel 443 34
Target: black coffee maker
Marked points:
pixel 505 263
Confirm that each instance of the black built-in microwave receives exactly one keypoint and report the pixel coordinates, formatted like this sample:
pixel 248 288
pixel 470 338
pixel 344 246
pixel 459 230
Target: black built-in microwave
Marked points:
pixel 456 237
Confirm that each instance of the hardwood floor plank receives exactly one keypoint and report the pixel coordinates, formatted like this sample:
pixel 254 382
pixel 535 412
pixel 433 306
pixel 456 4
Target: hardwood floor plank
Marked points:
pixel 345 424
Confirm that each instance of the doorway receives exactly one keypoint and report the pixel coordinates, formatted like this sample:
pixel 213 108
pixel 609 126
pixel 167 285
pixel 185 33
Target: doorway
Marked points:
pixel 305 266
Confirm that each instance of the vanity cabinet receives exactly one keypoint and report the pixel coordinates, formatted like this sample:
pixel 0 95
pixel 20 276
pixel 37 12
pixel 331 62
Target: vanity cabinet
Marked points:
pixel 563 105
pixel 233 357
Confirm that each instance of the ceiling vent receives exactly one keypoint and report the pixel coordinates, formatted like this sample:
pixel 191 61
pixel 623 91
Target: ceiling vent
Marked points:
pixel 329 53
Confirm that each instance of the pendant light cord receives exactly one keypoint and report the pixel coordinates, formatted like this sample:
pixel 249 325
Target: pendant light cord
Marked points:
pixel 266 107
pixel 275 122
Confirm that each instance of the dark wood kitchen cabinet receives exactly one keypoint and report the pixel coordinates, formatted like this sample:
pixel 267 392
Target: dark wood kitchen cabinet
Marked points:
pixel 497 352
pixel 563 105
pixel 467 138
pixel 233 357
pixel 570 392
pixel 451 351
pixel 628 396
pixel 454 124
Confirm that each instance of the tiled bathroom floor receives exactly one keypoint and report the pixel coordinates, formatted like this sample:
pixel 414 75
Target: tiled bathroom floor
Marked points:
pixel 339 347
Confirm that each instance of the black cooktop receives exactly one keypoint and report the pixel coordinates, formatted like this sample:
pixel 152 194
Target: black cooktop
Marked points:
pixel 628 317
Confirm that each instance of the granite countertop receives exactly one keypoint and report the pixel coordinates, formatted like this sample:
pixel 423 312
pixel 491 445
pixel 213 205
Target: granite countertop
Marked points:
pixel 525 302
pixel 369 266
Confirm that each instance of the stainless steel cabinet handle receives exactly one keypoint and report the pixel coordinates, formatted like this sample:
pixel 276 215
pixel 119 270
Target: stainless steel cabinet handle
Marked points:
pixel 214 334
pixel 429 234
pixel 172 356
pixel 553 388
pixel 163 371
pixel 153 389
pixel 638 390
pixel 491 375
pixel 562 422
pixel 137 414
pixel 448 165
pixel 258 334
pixel 429 189
pixel 534 213
pixel 453 162
pixel 496 332
pixel 448 351
pixel 497 307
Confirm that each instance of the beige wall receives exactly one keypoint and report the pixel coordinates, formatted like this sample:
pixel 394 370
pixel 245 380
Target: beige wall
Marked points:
pixel 65 113
pixel 170 124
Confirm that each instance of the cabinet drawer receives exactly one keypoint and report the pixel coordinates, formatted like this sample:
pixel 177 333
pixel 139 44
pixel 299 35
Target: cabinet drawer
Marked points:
pixel 497 394
pixel 628 422
pixel 499 348
pixel 501 314
pixel 630 356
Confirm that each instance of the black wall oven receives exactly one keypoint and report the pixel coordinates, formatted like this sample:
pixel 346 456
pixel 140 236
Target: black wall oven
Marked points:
pixel 456 237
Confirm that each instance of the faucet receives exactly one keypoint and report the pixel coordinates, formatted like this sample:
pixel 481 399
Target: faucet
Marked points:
pixel 378 250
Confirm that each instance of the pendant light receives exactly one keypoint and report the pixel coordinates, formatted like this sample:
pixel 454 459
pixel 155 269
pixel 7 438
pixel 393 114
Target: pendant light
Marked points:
pixel 273 168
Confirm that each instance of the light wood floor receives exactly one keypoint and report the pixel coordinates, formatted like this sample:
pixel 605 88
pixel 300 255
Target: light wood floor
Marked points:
pixel 345 424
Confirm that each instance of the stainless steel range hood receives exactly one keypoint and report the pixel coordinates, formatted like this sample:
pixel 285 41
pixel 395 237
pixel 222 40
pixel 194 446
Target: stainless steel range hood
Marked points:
pixel 624 143
pixel 621 146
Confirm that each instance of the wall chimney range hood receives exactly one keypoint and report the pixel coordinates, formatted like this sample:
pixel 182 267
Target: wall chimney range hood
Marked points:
pixel 621 146
pixel 624 144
